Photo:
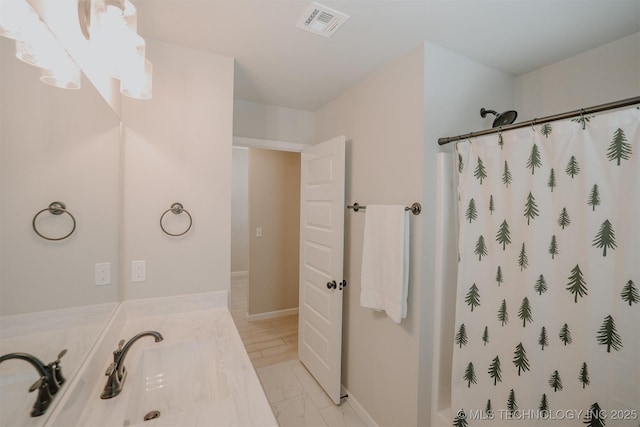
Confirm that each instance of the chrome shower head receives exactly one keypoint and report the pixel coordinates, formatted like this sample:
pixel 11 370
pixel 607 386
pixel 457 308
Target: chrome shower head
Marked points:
pixel 501 119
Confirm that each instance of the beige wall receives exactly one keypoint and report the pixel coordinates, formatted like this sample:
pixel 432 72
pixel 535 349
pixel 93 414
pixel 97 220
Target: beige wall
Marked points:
pixel 240 210
pixel 271 122
pixel 178 149
pixel 605 74
pixel 65 145
pixel 274 205
pixel 56 145
pixel 382 118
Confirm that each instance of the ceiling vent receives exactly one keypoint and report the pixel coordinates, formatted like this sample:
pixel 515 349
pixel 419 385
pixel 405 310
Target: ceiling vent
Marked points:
pixel 321 20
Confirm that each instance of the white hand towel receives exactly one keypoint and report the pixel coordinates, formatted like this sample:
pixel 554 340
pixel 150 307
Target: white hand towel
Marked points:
pixel 385 260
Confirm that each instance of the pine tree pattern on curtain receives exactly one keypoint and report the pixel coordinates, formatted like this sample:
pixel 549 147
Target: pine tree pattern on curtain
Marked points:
pixel 548 300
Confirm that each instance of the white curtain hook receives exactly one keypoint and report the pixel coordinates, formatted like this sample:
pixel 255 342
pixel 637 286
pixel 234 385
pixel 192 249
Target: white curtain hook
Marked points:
pixel 533 122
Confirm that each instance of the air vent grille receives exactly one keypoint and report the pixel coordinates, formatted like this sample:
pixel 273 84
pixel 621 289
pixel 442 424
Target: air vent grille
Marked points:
pixel 321 20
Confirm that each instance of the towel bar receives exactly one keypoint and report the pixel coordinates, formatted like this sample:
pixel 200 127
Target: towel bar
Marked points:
pixel 415 208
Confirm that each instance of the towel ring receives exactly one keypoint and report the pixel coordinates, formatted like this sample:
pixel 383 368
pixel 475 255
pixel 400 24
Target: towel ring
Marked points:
pixel 55 208
pixel 176 209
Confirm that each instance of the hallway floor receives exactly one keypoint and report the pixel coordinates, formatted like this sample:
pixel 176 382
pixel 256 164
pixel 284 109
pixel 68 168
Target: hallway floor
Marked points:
pixel 267 341
pixel 296 398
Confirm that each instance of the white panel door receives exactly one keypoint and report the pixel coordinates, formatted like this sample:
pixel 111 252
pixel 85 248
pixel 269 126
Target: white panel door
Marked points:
pixel 321 254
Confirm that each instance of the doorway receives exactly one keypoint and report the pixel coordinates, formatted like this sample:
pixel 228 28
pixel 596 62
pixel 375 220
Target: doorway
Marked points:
pixel 265 251
pixel 314 214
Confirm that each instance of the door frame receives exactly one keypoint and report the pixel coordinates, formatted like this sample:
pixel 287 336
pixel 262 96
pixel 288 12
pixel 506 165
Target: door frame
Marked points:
pixel 275 145
pixel 269 144
pixel 278 146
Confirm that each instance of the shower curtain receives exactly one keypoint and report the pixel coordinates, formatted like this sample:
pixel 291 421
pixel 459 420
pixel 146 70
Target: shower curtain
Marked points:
pixel 547 329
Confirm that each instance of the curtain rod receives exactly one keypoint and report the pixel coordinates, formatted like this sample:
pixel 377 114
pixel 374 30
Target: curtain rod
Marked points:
pixel 567 115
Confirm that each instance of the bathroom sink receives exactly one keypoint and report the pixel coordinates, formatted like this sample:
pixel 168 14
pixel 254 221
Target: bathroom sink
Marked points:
pixel 173 379
pixel 15 401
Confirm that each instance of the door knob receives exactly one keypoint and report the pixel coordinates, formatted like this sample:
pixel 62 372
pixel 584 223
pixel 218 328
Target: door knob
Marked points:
pixel 343 284
pixel 332 284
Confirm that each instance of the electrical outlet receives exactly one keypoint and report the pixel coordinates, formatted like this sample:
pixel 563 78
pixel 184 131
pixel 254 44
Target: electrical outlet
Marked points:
pixel 139 271
pixel 103 273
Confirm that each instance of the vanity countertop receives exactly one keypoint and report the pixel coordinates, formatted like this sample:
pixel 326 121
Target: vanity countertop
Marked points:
pixel 201 338
pixel 44 335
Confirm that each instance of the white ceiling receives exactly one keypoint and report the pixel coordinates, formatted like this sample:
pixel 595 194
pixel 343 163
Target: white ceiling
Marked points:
pixel 279 64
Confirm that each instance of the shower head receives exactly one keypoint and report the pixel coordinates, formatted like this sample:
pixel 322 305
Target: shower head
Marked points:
pixel 501 119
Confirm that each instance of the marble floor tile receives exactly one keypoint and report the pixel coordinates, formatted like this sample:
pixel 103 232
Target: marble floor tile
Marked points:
pixel 296 399
pixel 313 389
pixel 276 358
pixel 298 412
pixel 291 378
pixel 279 382
pixel 341 416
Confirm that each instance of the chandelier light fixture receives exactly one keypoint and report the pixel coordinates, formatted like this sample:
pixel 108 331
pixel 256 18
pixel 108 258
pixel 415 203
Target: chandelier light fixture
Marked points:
pixel 36 45
pixel 111 26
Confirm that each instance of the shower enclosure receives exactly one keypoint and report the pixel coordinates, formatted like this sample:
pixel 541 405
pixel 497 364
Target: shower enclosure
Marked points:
pixel 548 300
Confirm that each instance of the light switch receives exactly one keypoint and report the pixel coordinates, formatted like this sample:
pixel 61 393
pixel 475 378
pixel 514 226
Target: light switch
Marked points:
pixel 258 231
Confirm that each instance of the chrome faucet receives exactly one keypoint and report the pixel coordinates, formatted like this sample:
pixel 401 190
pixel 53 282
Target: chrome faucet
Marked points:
pixel 48 384
pixel 116 371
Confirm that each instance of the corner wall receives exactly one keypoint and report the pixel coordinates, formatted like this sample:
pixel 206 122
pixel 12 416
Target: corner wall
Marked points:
pixel 177 148
pixel 455 89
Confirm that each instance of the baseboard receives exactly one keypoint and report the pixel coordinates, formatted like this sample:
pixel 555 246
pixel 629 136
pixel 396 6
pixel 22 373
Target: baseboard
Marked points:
pixel 359 409
pixel 272 314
